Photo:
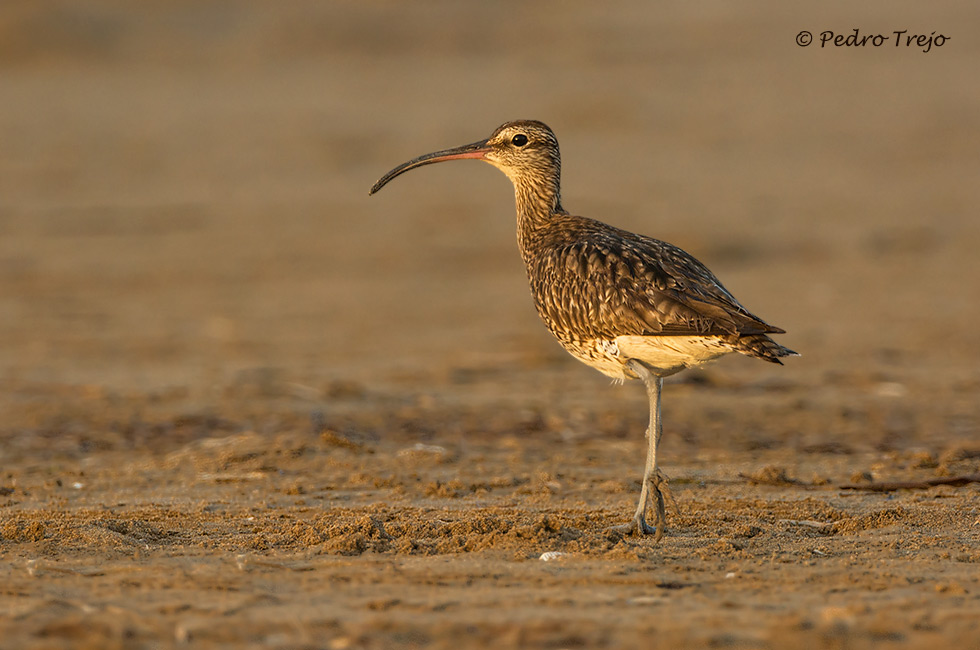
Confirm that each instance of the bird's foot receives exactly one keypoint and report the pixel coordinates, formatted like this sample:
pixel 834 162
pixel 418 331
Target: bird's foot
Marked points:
pixel 660 488
pixel 658 481
pixel 637 526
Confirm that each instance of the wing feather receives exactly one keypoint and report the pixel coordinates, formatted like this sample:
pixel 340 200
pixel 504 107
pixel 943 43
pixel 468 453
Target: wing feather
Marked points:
pixel 600 282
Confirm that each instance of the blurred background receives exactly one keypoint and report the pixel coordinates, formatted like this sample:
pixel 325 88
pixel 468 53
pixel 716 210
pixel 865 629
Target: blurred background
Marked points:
pixel 184 210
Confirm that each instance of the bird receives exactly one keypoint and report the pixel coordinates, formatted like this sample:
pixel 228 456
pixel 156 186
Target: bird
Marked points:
pixel 630 306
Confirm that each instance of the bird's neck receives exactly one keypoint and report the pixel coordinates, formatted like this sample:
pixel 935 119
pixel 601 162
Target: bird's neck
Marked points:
pixel 537 204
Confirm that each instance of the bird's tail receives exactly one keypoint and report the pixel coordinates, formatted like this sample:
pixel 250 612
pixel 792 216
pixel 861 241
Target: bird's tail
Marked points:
pixel 762 347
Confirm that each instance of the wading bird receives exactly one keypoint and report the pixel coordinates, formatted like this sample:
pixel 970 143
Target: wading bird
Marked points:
pixel 629 306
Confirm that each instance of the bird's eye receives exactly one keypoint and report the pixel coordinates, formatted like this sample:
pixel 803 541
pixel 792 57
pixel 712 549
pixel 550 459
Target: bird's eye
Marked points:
pixel 519 140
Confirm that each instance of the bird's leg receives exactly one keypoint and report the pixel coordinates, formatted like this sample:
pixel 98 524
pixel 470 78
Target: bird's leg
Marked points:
pixel 654 481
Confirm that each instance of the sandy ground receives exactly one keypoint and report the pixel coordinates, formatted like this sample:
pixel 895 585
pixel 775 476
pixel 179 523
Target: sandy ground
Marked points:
pixel 244 405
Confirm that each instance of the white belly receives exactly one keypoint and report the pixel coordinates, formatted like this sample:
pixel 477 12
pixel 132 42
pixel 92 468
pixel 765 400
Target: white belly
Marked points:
pixel 671 353
pixel 664 355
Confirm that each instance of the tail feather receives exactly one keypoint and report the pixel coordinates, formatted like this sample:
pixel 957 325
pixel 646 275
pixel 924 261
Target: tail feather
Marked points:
pixel 762 347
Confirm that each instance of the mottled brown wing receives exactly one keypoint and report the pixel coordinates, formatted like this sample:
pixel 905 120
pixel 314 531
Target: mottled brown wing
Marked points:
pixel 606 282
pixel 696 288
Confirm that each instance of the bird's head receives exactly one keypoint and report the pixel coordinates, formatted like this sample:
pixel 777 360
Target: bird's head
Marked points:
pixel 525 150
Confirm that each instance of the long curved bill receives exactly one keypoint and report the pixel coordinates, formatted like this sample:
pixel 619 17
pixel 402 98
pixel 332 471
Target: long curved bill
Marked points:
pixel 475 150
